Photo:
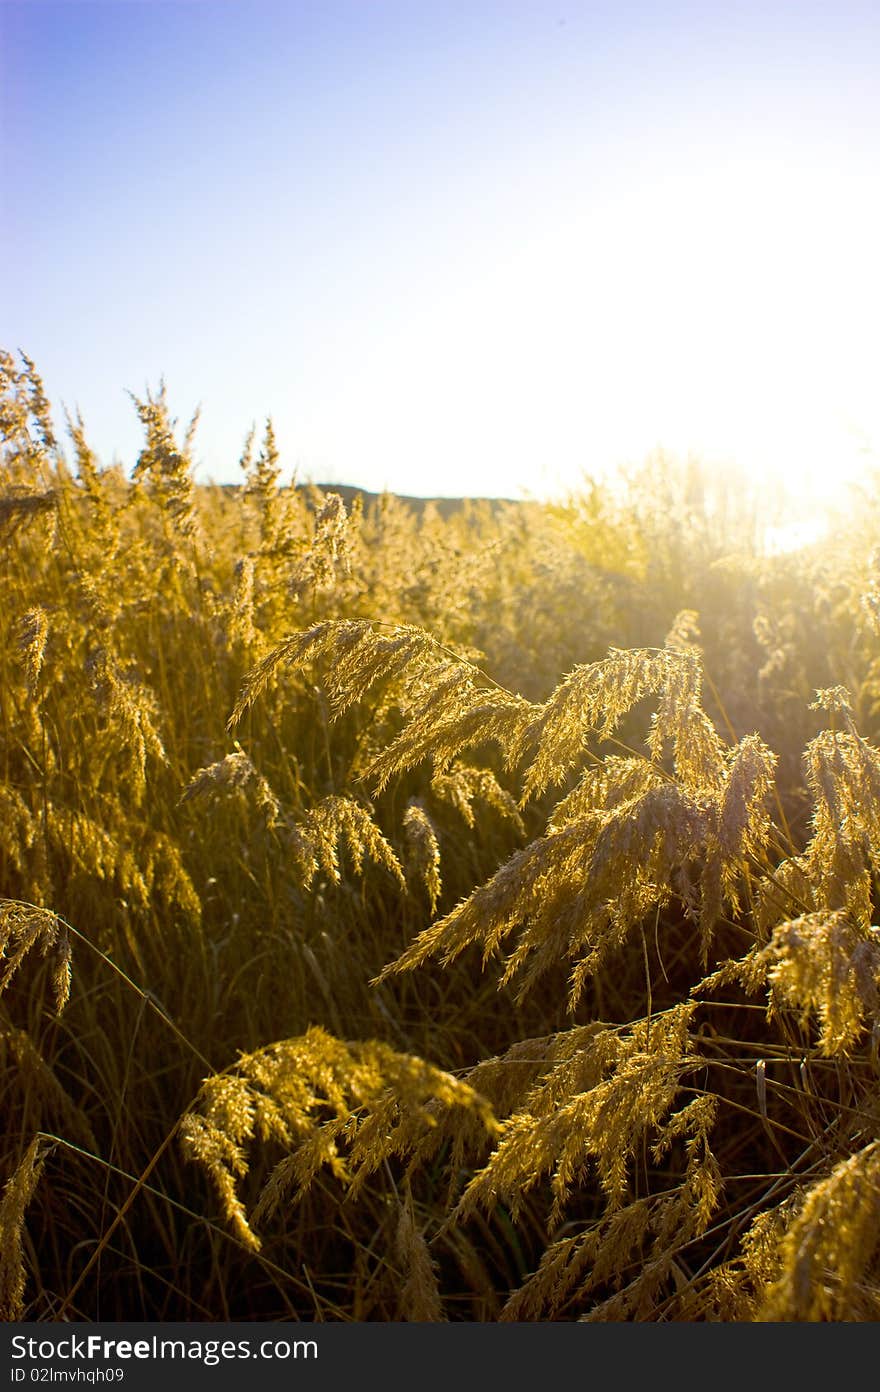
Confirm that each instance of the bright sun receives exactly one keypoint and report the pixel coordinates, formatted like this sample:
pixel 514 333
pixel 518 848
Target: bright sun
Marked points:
pixel 732 318
pixel 738 326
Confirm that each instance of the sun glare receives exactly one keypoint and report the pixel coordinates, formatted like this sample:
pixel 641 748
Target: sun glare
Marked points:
pixel 729 319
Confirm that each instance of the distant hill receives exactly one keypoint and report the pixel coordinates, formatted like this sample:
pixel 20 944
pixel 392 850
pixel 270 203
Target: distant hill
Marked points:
pixel 447 507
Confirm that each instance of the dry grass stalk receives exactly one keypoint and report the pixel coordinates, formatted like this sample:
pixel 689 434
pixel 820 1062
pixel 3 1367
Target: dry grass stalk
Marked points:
pixel 17 1194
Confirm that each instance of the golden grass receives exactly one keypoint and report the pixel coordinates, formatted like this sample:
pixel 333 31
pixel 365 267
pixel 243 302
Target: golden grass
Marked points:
pixel 408 916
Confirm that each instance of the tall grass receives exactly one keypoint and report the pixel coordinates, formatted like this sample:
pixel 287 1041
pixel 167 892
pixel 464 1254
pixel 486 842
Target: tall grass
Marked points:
pixel 410 915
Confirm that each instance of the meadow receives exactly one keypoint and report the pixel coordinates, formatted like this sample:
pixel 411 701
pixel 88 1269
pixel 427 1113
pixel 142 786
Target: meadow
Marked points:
pixel 420 912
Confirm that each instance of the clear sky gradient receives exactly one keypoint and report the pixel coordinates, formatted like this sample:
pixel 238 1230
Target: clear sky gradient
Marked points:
pixel 451 246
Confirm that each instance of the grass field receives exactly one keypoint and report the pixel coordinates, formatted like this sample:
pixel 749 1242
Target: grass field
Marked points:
pixel 418 912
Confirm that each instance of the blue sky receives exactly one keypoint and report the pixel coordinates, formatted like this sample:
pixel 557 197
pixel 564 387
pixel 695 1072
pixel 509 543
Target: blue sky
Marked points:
pixel 451 247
